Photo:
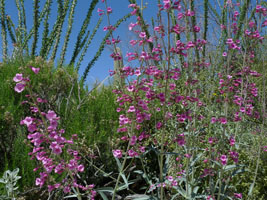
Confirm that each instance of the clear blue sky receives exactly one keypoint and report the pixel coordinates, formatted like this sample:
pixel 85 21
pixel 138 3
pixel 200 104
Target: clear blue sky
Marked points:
pixel 120 8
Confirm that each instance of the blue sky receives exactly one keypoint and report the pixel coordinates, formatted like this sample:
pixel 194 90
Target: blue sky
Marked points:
pixel 101 68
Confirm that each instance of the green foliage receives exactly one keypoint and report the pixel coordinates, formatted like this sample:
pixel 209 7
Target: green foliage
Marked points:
pixel 93 112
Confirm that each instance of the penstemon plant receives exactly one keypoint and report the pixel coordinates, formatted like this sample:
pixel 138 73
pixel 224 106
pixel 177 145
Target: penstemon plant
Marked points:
pixel 163 108
pixel 58 159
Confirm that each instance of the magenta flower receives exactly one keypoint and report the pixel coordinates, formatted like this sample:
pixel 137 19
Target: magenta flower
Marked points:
pixel 142 35
pixel 109 10
pixel 117 153
pixel 132 25
pixel 66 189
pixel 159 125
pixel 213 120
pixel 131 109
pixel 39 181
pixel 196 29
pixel 132 153
pixel 210 140
pixel 80 168
pixel 51 115
pixel 35 70
pixel 167 4
pixel 229 41
pixel 234 155
pixel 142 149
pixel 232 141
pixel 56 148
pixel 27 121
pixel 19 87
pixel 223 120
pixel 224 54
pixel 18 78
pixel 223 159
pixel 133 140
pixel 238 195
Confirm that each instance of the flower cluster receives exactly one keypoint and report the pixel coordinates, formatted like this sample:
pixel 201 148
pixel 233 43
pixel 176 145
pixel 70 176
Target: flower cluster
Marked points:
pixel 50 147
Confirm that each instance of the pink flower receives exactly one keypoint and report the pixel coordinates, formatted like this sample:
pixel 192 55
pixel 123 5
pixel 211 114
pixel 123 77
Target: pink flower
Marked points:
pixel 229 41
pixel 18 78
pixel 137 72
pixel 196 29
pixel 210 140
pixel 66 189
pixel 232 141
pixel 132 5
pixel 80 168
pixel 167 4
pixel 131 109
pixel 223 159
pixel 117 153
pixel 224 54
pixel 223 120
pixel 56 148
pixel 109 10
pixel 100 12
pixel 51 115
pixel 189 13
pixel 27 121
pixel 234 155
pixel 38 181
pixel 131 26
pixel 35 70
pixel 142 149
pixel 142 35
pixel 181 140
pixel 130 88
pixel 159 125
pixel 132 153
pixel 258 8
pixel 170 178
pixel 213 120
pixel 238 195
pixel 19 87
pixel 133 140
